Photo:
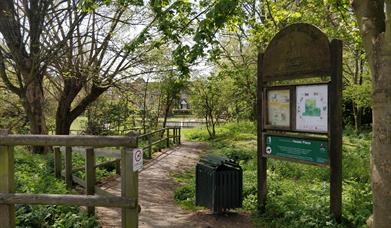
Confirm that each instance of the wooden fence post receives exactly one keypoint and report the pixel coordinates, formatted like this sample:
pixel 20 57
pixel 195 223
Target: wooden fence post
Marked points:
pixel 168 137
pixel 159 144
pixel 129 188
pixel 118 166
pixel 150 146
pixel 174 138
pixel 57 162
pixel 7 185
pixel 68 167
pixel 179 136
pixel 90 176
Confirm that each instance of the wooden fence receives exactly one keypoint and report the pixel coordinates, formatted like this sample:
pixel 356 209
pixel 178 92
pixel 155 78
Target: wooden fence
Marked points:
pixel 157 139
pixel 161 138
pixel 128 200
pixel 95 196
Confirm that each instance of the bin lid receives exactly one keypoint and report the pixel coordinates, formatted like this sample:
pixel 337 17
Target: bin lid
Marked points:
pixel 217 161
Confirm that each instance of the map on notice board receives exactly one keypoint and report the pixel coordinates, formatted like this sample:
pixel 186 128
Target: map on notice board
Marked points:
pixel 278 108
pixel 312 108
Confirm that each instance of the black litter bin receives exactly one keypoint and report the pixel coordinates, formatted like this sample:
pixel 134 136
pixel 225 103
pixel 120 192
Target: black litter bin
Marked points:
pixel 219 183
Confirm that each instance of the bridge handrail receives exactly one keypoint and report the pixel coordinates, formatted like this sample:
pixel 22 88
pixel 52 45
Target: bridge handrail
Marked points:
pixel 68 140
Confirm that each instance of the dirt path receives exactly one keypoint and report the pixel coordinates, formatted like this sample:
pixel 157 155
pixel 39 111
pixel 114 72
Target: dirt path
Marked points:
pixel 156 192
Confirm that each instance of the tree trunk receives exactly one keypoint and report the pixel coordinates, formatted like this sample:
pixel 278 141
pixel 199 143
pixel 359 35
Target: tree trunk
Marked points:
pixel 169 102
pixel 65 115
pixel 381 142
pixel 33 104
pixel 373 18
pixel 63 122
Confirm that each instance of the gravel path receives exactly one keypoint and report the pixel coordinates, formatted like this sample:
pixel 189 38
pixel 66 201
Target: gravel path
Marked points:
pixel 156 195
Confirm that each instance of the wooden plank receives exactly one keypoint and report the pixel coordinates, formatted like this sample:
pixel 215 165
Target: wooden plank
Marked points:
pixel 262 161
pixel 68 140
pixel 7 183
pixel 90 176
pixel 98 190
pixel 103 164
pixel 61 199
pixel 129 188
pixel 335 130
pixel 57 162
pixel 68 167
pixel 159 141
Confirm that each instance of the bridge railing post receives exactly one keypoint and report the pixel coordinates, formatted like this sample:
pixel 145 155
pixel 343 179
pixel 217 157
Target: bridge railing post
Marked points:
pixel 57 162
pixel 159 144
pixel 168 137
pixel 179 136
pixel 174 137
pixel 129 188
pixel 149 146
pixel 90 176
pixel 7 183
pixel 68 167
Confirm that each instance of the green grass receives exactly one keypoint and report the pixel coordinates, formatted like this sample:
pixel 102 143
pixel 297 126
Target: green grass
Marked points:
pixel 79 123
pixel 34 174
pixel 298 194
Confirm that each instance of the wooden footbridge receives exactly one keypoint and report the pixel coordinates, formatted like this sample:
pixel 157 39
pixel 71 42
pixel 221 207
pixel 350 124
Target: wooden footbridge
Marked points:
pixel 94 196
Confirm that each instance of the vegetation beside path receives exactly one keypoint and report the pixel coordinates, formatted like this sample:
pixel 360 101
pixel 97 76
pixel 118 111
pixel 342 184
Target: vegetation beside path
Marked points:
pixel 33 174
pixel 298 195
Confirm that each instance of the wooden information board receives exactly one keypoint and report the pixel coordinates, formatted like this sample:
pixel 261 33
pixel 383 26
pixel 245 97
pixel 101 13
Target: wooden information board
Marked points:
pixel 299 103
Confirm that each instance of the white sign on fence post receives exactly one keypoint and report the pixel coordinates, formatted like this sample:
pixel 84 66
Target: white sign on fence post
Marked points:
pixel 137 159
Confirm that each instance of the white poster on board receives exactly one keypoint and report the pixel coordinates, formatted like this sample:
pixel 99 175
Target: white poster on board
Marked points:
pixel 278 103
pixel 312 108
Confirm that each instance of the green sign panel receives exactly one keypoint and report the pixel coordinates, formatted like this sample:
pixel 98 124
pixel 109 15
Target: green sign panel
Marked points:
pixel 310 150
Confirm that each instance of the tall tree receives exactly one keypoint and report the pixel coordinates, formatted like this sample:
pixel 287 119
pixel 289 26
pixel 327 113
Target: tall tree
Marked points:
pixel 95 59
pixel 24 56
pixel 374 19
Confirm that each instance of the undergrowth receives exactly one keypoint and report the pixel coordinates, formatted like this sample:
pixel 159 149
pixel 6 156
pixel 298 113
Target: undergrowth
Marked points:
pixel 101 172
pixel 33 174
pixel 298 194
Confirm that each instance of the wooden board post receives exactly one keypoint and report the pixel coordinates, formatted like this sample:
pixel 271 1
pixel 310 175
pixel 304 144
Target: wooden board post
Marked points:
pixel 335 133
pixel 68 167
pixel 7 183
pixel 262 161
pixel 57 162
pixel 90 176
pixel 307 113
pixel 129 188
